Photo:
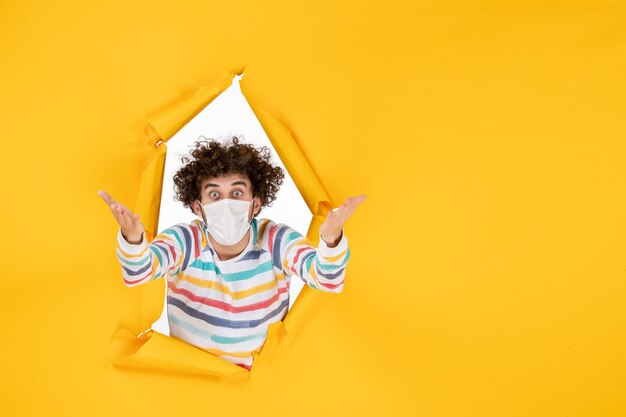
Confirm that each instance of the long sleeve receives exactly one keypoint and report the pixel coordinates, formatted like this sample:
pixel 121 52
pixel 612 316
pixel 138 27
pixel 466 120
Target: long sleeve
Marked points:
pixel 321 268
pixel 169 252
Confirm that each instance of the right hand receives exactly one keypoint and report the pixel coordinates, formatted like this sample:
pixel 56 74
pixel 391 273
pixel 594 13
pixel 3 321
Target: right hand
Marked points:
pixel 132 227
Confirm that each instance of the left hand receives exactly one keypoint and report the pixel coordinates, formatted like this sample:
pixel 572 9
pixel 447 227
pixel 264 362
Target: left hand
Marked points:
pixel 330 230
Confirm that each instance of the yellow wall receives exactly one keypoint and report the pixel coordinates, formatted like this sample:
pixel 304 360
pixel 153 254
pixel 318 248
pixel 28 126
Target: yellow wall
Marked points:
pixel 488 268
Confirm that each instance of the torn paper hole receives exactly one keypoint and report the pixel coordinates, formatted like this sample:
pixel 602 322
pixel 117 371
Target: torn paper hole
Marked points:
pixel 228 115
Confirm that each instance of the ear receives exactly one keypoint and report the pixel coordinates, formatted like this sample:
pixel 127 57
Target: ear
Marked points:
pixel 257 205
pixel 197 208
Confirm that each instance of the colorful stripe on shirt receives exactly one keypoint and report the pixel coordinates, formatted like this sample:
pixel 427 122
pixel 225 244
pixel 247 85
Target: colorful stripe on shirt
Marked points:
pixel 225 307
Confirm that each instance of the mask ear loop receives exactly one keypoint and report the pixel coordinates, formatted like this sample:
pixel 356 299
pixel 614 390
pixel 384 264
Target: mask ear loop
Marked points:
pixel 206 224
pixel 202 212
pixel 252 217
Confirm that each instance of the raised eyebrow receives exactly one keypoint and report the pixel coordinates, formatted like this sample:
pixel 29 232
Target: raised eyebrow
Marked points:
pixel 217 185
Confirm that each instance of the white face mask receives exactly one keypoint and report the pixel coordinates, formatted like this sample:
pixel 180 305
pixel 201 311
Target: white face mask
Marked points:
pixel 227 220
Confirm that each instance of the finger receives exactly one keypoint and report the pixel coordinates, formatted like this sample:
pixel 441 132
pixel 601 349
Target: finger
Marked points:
pixel 124 208
pixel 336 220
pixel 333 219
pixel 137 220
pixel 344 216
pixel 358 200
pixel 117 208
pixel 116 214
pixel 339 213
pixel 346 206
pixel 354 203
pixel 130 223
pixel 121 216
pixel 339 210
pixel 130 220
pixel 113 208
pixel 106 197
pixel 350 209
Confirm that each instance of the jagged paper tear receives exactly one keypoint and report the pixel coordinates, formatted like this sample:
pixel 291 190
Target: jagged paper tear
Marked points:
pixel 152 350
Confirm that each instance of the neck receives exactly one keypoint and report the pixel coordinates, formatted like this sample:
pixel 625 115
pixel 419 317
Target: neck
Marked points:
pixel 226 252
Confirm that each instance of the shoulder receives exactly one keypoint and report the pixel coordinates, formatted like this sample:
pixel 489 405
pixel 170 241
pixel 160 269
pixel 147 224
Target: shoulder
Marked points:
pixel 273 233
pixel 185 233
pixel 195 224
pixel 262 229
pixel 266 227
pixel 268 232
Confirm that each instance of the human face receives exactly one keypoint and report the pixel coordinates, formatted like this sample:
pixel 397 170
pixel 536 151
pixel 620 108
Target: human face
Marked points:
pixel 232 186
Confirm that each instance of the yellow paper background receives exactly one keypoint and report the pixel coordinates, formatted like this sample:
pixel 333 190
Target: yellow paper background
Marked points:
pixel 488 268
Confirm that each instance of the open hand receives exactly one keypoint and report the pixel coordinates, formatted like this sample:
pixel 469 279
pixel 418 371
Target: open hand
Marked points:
pixel 132 227
pixel 330 230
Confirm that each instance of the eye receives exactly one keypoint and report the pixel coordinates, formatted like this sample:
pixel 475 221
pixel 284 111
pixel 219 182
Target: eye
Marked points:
pixel 237 195
pixel 214 194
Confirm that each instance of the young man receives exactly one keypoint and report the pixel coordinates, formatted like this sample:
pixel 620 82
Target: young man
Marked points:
pixel 228 273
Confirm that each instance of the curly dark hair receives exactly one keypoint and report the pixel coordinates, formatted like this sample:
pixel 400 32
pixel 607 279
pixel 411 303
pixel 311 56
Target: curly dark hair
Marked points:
pixel 211 158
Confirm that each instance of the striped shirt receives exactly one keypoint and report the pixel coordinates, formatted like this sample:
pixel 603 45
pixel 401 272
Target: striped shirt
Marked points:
pixel 225 307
